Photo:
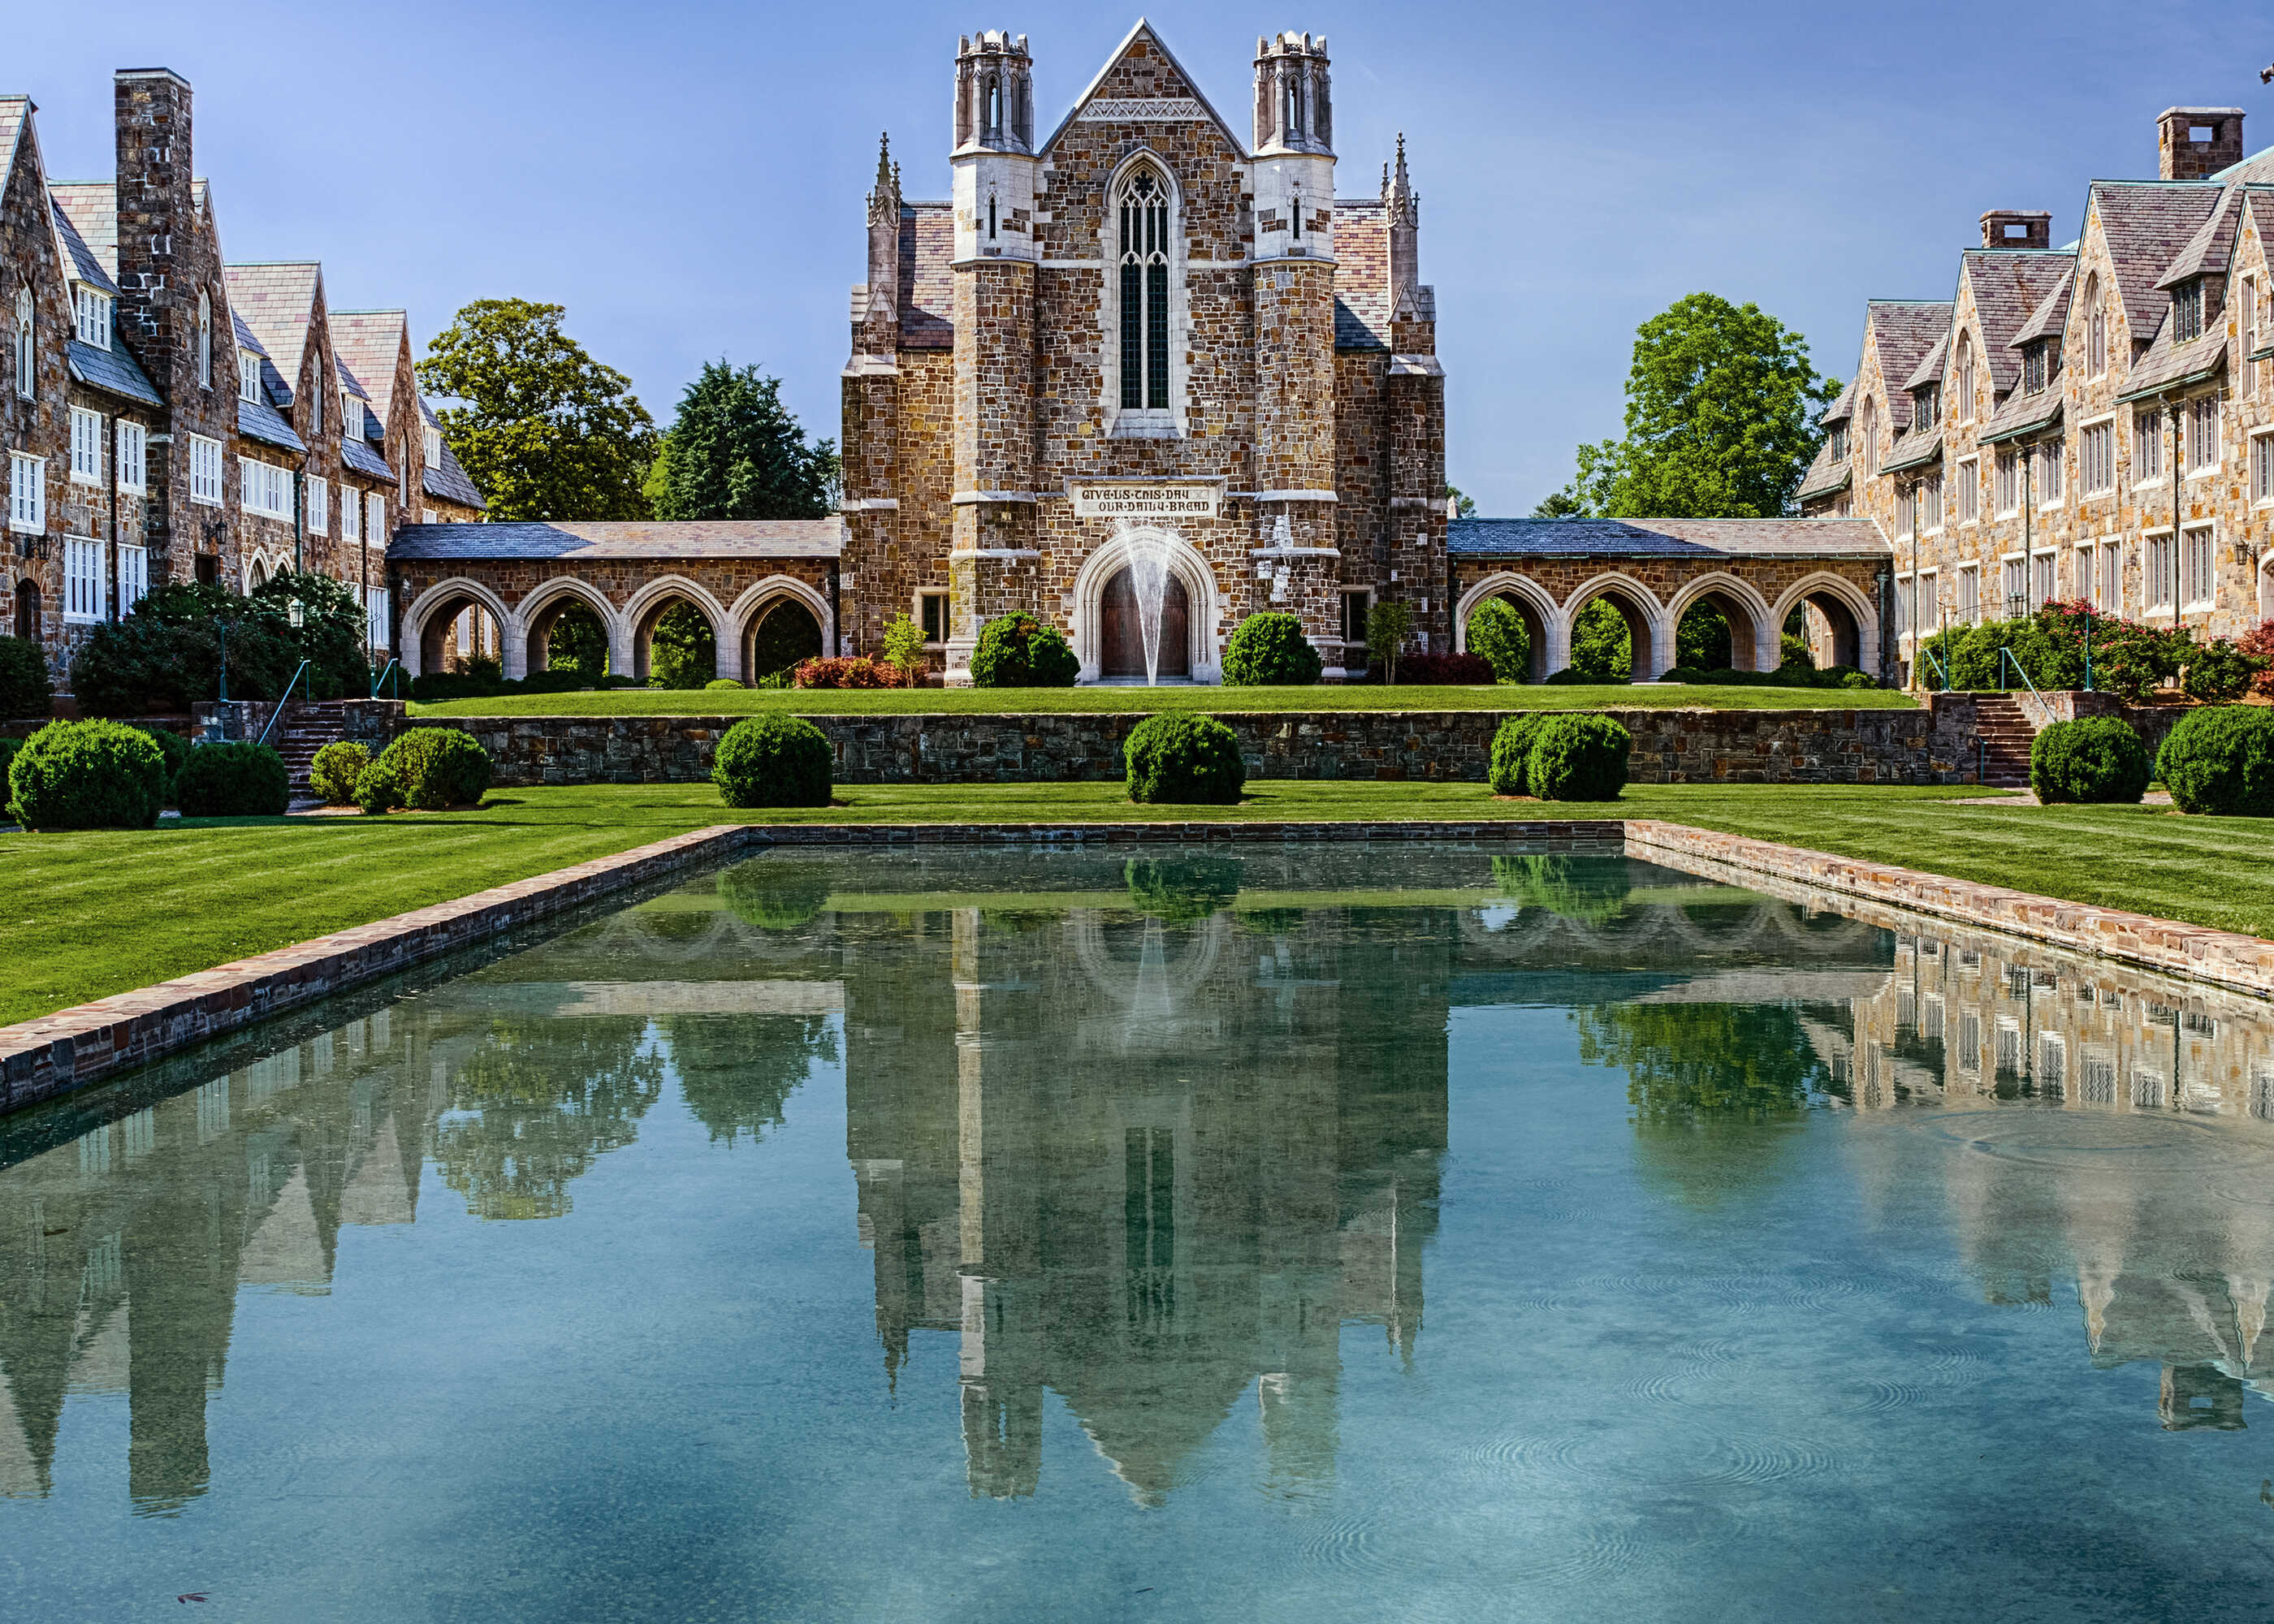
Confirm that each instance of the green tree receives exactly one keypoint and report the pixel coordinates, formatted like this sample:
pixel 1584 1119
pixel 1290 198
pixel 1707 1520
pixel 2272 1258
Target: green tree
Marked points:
pixel 579 642
pixel 735 452
pixel 1497 632
pixel 1600 645
pixel 1563 504
pixel 904 642
pixel 1702 641
pixel 1464 506
pixel 1387 624
pixel 543 430
pixel 1721 418
pixel 682 651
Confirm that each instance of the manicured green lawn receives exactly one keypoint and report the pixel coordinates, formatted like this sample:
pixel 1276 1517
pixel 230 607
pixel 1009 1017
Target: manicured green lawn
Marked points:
pixel 97 913
pixel 1028 701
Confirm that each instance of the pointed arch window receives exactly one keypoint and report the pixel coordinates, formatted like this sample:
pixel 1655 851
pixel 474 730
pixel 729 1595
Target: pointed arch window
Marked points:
pixel 1965 377
pixel 27 354
pixel 205 338
pixel 1144 215
pixel 2095 328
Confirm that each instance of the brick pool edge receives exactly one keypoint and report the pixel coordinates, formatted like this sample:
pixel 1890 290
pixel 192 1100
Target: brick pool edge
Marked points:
pixel 54 1055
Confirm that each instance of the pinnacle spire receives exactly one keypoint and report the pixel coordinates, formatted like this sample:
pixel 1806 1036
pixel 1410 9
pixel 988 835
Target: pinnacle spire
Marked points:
pixel 885 200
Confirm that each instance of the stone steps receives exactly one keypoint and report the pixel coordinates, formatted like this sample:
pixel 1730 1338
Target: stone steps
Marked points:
pixel 306 729
pixel 2006 733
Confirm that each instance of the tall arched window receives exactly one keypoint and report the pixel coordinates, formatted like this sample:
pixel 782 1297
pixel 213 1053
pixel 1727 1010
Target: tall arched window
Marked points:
pixel 27 357
pixel 1144 292
pixel 205 338
pixel 2095 328
pixel 1867 448
pixel 1965 377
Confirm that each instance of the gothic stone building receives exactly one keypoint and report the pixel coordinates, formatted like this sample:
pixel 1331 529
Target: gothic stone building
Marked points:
pixel 2094 421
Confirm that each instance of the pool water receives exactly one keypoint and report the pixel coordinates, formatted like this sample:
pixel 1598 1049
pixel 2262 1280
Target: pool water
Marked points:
pixel 1310 1233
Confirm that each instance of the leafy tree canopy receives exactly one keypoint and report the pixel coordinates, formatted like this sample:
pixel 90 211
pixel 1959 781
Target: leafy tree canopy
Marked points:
pixel 735 452
pixel 1464 506
pixel 1720 421
pixel 544 431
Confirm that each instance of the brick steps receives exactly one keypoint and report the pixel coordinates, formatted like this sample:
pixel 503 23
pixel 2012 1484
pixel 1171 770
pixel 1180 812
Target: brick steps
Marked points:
pixel 305 729
pixel 2006 733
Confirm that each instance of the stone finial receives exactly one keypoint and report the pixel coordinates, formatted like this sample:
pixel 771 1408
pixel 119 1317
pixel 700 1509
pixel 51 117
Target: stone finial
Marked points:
pixel 1399 201
pixel 884 198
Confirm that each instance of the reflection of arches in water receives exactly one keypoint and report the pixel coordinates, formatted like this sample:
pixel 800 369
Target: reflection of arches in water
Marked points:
pixel 1659 931
pixel 1113 952
pixel 668 936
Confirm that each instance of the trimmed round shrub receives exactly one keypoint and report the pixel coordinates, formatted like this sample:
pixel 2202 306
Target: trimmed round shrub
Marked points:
pixel 772 761
pixel 719 682
pixel 176 751
pixel 1856 680
pixel 1018 651
pixel 1181 889
pixel 774 894
pixel 2093 760
pixel 376 792
pixel 87 774
pixel 25 690
pixel 332 776
pixel 2218 761
pixel 233 780
pixel 1579 758
pixel 1181 759
pixel 1269 651
pixel 1570 676
pixel 2217 671
pixel 1511 751
pixel 437 767
pixel 1684 673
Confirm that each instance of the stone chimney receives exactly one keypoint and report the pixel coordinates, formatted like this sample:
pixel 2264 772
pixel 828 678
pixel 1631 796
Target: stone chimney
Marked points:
pixel 152 109
pixel 2192 142
pixel 2017 227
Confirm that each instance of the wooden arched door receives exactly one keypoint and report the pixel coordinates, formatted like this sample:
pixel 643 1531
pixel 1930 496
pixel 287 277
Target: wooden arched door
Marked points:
pixel 1123 651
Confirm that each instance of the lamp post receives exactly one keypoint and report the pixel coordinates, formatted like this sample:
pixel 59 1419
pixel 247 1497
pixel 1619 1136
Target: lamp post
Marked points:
pixel 221 626
pixel 296 614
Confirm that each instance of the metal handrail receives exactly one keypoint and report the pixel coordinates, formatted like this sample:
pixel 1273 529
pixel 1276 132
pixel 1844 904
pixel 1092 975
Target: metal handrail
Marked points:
pixel 277 714
pixel 1927 654
pixel 2006 655
pixel 392 667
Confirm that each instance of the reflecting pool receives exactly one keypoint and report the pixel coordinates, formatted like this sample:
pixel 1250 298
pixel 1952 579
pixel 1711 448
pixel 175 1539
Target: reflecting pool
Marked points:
pixel 1307 1233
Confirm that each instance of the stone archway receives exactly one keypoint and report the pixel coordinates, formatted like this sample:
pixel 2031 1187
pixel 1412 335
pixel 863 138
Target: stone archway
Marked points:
pixel 1121 651
pixel 782 619
pixel 1753 631
pixel 429 624
pixel 542 609
pixel 649 606
pixel 1840 621
pixel 1650 635
pixel 1542 619
pixel 1203 603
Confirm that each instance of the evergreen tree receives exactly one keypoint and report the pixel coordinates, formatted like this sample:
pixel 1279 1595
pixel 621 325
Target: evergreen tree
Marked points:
pixel 735 452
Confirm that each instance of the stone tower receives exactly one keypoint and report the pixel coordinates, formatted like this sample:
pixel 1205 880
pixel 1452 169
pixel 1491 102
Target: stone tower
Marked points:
pixel 1415 400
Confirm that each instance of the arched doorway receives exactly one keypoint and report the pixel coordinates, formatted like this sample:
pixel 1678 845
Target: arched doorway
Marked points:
pixel 1490 622
pixel 1611 636
pixel 457 629
pixel 27 607
pixel 673 641
pixel 567 633
pixel 1717 631
pixel 1829 627
pixel 1121 654
pixel 784 635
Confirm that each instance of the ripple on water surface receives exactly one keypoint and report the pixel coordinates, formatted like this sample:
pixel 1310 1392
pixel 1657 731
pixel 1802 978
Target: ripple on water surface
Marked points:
pixel 2102 1141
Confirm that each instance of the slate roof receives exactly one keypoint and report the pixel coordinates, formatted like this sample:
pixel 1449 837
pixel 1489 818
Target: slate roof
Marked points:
pixel 2022 414
pixel 2049 319
pixel 927 284
pixel 1842 409
pixel 15 115
pixel 112 370
pixel 92 206
pixel 259 420
pixel 1825 476
pixel 349 382
pixel 1666 537
pixel 1904 330
pixel 2009 285
pixel 2212 246
pixel 450 482
pixel 1361 275
pixel 278 302
pixel 2168 366
pixel 357 454
pixel 1914 449
pixel 704 538
pixel 86 266
pixel 371 342
pixel 1930 370
pixel 2146 224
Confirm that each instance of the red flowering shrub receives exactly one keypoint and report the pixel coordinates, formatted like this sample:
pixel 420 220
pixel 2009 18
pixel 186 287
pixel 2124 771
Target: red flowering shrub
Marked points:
pixel 2257 646
pixel 857 671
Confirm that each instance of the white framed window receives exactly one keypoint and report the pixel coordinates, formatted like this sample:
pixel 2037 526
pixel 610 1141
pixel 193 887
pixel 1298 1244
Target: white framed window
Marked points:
pixel 374 610
pixel 2203 434
pixel 205 471
pixel 2016 584
pixel 82 579
pixel 2160 574
pixel 1906 604
pixel 350 514
pixel 2108 580
pixel 2096 457
pixel 2008 496
pixel 1969 491
pixel 134 456
pixel 1929 601
pixel 374 518
pixel 2147 446
pixel 1142 336
pixel 1970 594
pixel 319 503
pixel 248 377
pixel 2081 584
pixel 2249 368
pixel 433 446
pixel 266 489
pixel 133 575
pixel 27 492
pixel 427 516
pixel 86 446
pixel 2262 467
pixel 1929 498
pixel 27 350
pixel 2049 461
pixel 90 316
pixel 205 339
pixel 2198 579
pixel 350 416
pixel 2043 586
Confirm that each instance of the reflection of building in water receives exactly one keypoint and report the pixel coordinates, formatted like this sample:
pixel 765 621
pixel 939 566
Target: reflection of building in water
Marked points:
pixel 2171 1267
pixel 1161 1160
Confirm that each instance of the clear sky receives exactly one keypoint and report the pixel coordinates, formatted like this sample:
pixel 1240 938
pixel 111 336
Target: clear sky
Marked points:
pixel 687 178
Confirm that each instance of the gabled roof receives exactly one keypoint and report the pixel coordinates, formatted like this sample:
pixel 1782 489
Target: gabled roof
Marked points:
pixel 1916 449
pixel 259 420
pixel 2168 366
pixel 701 538
pixel 2022 414
pixel 1113 61
pixel 348 380
pixel 2212 246
pixel 1667 537
pixel 278 302
pixel 92 206
pixel 2145 224
pixel 371 342
pixel 73 252
pixel 2049 319
pixel 15 118
pixel 450 483
pixel 1904 330
pixel 1930 370
pixel 2009 285
pixel 357 454
pixel 1842 409
pixel 112 370
pixel 1826 475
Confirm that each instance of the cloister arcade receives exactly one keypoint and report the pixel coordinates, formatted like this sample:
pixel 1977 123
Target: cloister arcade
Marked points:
pixel 1754 572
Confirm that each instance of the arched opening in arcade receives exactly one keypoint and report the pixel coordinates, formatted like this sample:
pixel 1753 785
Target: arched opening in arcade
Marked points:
pixel 1823 626
pixel 1717 632
pixel 1121 653
pixel 674 645
pixel 256 575
pixel 1507 629
pixel 460 634
pixel 1610 636
pixel 567 634
pixel 783 635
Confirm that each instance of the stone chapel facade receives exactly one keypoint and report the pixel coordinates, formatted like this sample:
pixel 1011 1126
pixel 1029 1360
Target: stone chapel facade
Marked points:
pixel 1138 331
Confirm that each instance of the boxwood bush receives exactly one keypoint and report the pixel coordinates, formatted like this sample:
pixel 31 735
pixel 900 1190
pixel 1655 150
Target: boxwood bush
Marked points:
pixel 772 761
pixel 1182 889
pixel 1269 651
pixel 376 792
pixel 87 774
pixel 241 779
pixel 2218 760
pixel 332 776
pixel 774 894
pixel 437 767
pixel 175 750
pixel 1018 651
pixel 1181 759
pixel 2097 759
pixel 1579 758
pixel 24 691
pixel 1511 751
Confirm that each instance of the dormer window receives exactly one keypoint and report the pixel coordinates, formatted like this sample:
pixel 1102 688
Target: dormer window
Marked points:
pixel 1926 401
pixel 350 416
pixel 90 316
pixel 433 446
pixel 248 377
pixel 2187 311
pixel 1839 442
pixel 2040 365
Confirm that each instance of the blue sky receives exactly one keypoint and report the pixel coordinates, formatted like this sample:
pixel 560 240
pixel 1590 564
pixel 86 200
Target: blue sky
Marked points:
pixel 687 178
